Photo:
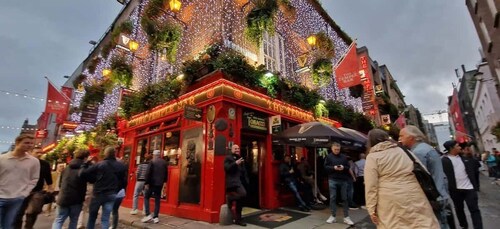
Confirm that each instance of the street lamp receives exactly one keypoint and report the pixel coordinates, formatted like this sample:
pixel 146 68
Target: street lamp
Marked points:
pixel 175 5
pixel 106 72
pixel 311 40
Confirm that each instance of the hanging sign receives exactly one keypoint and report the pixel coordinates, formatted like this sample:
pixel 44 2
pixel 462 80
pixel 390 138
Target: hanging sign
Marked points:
pixel 255 121
pixel 275 124
pixel 192 113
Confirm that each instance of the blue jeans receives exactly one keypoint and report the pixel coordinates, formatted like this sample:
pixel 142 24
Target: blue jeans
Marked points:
pixel 293 187
pixel 107 202
pixel 116 206
pixel 8 211
pixel 154 191
pixel 72 211
pixel 139 186
pixel 350 192
pixel 333 185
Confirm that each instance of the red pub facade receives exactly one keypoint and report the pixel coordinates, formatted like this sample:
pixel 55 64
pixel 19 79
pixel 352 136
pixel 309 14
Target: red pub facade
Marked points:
pixel 194 134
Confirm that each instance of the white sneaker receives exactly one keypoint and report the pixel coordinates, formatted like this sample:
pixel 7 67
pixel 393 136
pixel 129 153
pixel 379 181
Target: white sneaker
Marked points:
pixel 323 198
pixel 363 207
pixel 133 212
pixel 147 218
pixel 348 221
pixel 156 220
pixel 331 219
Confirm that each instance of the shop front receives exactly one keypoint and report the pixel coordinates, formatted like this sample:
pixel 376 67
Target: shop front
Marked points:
pixel 194 134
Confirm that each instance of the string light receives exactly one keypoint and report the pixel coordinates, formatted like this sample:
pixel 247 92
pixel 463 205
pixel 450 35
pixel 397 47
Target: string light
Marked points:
pixel 148 67
pixel 16 128
pixel 30 97
pixel 6 142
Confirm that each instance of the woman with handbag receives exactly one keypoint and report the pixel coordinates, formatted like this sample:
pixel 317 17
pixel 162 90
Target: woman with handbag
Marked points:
pixel 394 197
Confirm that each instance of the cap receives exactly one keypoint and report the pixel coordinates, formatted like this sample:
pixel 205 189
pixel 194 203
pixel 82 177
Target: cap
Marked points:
pixel 156 152
pixel 449 144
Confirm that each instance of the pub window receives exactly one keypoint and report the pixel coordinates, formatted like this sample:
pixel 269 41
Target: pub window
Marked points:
pixel 279 152
pixel 141 151
pixel 155 143
pixel 171 149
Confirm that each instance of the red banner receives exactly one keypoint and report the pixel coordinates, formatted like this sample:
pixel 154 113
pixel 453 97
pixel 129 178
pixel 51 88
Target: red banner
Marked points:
pixel 43 121
pixel 347 70
pixel 67 91
pixel 57 103
pixel 401 121
pixel 41 134
pixel 456 117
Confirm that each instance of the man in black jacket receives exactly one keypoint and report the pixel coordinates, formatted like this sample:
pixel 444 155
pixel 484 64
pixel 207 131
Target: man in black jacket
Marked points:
pixel 33 204
pixel 462 184
pixel 156 177
pixel 337 167
pixel 72 192
pixel 109 176
pixel 288 175
pixel 236 180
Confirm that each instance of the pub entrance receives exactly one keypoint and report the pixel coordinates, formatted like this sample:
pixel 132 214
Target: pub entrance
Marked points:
pixel 253 151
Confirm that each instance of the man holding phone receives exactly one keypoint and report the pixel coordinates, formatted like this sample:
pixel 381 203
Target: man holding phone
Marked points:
pixel 236 181
pixel 337 167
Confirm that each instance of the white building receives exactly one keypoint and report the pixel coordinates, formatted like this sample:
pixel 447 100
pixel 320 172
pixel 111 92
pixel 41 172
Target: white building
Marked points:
pixel 486 106
pixel 441 126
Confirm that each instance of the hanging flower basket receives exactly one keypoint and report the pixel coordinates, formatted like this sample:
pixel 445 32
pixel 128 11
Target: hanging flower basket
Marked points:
pixel 322 71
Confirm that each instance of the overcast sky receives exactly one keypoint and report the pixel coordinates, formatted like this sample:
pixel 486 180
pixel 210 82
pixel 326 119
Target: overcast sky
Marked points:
pixel 421 42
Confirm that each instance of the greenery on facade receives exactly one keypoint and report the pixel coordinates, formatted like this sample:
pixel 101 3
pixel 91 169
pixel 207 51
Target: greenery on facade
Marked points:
pixel 121 71
pixel 95 93
pixel 496 131
pixel 324 47
pixel 163 37
pixel 79 79
pixel 93 64
pixel 261 20
pixel 106 49
pixel 287 9
pixel 322 71
pixel 348 117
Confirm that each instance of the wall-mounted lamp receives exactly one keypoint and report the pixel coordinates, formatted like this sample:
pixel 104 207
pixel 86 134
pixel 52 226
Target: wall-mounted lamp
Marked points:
pixel 106 72
pixel 175 5
pixel 311 40
pixel 133 46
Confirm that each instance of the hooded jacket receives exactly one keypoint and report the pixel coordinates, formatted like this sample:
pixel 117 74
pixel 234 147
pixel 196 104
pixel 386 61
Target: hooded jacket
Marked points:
pixel 73 188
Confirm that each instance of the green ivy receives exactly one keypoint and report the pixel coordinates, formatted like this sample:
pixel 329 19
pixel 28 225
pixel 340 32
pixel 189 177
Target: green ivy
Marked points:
pixel 260 20
pixel 94 94
pixel 79 79
pixel 163 38
pixel 93 64
pixel 121 71
pixel 322 71
pixel 324 46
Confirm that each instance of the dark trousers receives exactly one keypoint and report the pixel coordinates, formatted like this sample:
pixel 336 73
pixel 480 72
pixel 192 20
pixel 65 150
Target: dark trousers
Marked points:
pixel 470 197
pixel 359 191
pixel 234 201
pixel 155 192
pixel 30 216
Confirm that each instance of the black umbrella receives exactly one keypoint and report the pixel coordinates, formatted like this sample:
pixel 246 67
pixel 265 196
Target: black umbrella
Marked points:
pixel 314 134
pixel 360 138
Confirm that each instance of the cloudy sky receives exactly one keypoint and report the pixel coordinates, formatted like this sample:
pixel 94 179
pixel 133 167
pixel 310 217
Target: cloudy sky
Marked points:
pixel 421 42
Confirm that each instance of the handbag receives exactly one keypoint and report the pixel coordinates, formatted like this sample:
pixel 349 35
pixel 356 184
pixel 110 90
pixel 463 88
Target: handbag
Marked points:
pixel 424 179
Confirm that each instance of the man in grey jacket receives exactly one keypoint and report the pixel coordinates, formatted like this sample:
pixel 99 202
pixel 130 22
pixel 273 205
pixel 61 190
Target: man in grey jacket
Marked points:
pixel 412 138
pixel 157 176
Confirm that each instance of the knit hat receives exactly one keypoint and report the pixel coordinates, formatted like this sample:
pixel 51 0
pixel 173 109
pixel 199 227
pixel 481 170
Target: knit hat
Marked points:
pixel 156 152
pixel 448 145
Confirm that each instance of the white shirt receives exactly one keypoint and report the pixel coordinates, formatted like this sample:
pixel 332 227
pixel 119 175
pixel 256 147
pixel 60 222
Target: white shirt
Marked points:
pixel 461 176
pixel 360 168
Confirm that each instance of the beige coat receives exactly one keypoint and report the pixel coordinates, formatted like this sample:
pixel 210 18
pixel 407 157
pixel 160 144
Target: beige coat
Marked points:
pixel 393 192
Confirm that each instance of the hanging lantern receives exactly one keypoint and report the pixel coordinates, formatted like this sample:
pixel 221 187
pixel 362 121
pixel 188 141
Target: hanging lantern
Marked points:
pixel 175 5
pixel 133 45
pixel 311 40
pixel 106 72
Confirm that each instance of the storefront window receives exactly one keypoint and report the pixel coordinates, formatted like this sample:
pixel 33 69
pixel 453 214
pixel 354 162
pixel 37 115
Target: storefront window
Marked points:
pixel 155 143
pixel 171 148
pixel 141 150
pixel 278 152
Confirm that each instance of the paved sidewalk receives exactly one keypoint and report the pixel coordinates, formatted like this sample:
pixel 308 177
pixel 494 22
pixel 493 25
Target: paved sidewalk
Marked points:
pixel 316 219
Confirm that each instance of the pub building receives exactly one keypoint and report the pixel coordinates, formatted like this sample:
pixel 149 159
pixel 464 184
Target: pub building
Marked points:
pixel 196 131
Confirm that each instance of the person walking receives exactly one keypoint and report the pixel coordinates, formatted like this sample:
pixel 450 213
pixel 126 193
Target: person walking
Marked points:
pixel 462 184
pixel 359 185
pixel 56 178
pixel 109 175
pixel 157 176
pixel 33 204
pixel 19 173
pixel 394 198
pixel 236 180
pixel 72 192
pixel 119 198
pixel 142 174
pixel 337 167
pixel 412 138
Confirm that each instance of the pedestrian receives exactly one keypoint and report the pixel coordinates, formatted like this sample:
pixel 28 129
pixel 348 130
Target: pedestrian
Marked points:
pixel 157 176
pixel 236 181
pixel 56 178
pixel 19 173
pixel 307 175
pixel 350 185
pixel 33 204
pixel 359 185
pixel 72 192
pixel 469 154
pixel 119 198
pixel 491 162
pixel 288 175
pixel 88 197
pixel 108 177
pixel 412 138
pixel 142 174
pixel 462 184
pixel 394 198
pixel 337 167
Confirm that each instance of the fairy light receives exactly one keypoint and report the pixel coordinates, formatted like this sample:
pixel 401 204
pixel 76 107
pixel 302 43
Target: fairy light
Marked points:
pixel 148 67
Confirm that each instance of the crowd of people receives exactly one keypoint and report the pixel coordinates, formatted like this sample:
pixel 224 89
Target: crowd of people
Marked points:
pixel 84 185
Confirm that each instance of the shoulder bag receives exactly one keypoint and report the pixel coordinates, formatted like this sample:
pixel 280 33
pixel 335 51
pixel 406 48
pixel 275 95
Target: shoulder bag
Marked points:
pixel 424 179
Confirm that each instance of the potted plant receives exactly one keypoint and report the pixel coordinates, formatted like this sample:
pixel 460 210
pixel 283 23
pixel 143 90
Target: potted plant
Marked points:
pixel 322 70
pixel 163 37
pixel 260 20
pixel 121 71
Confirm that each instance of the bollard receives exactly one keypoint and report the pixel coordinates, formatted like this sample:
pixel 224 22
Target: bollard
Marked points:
pixel 225 217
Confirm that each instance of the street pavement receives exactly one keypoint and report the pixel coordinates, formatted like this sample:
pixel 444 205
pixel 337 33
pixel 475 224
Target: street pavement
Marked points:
pixel 489 204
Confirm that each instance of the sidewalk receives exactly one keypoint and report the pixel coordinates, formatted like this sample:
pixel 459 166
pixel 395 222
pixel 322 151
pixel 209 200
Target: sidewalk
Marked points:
pixel 316 219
